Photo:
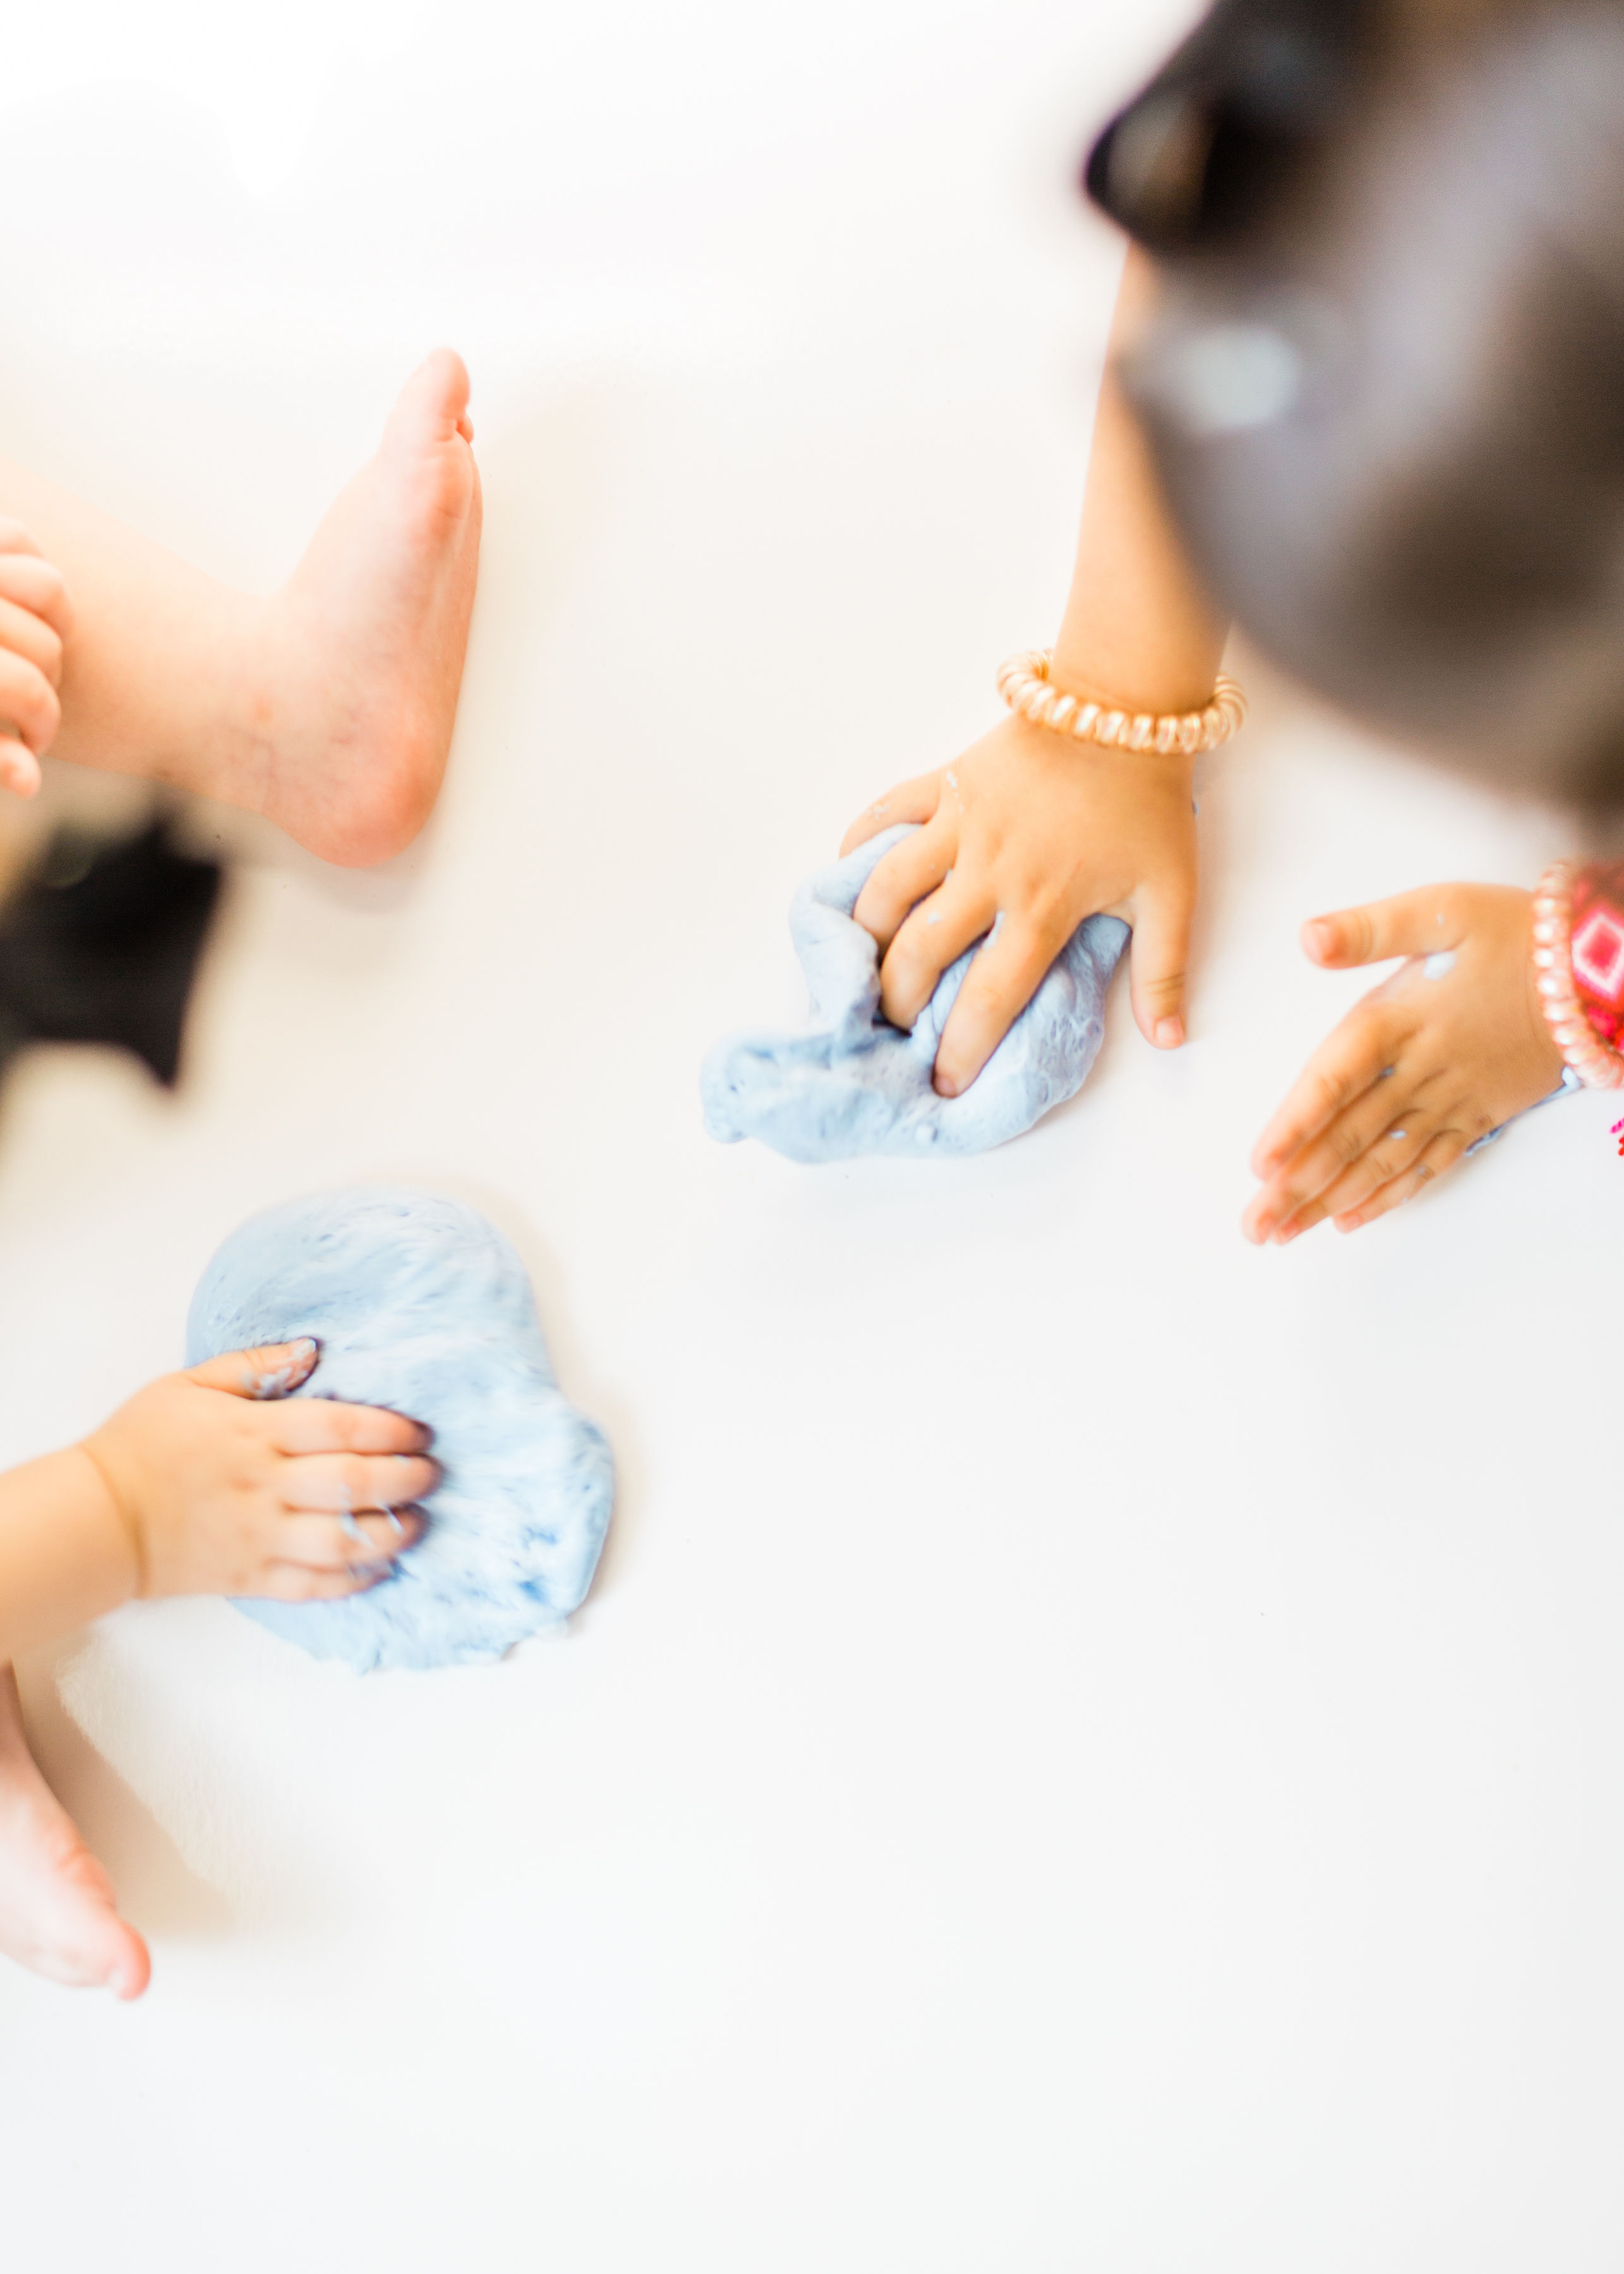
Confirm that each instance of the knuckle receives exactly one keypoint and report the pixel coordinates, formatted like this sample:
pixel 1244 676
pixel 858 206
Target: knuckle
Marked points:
pixel 1358 935
pixel 978 999
pixel 1332 1091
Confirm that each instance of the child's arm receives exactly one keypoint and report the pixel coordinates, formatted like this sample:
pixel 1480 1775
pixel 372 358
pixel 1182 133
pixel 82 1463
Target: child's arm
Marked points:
pixel 1448 1048
pixel 210 1482
pixel 1045 831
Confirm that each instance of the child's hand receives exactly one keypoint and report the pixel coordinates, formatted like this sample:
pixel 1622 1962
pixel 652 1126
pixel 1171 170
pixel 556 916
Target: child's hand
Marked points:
pixel 1042 831
pixel 227 1486
pixel 1419 1069
pixel 36 618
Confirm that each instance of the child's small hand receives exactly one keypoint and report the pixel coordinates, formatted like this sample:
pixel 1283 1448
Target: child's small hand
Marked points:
pixel 1450 1046
pixel 1044 832
pixel 227 1486
pixel 36 618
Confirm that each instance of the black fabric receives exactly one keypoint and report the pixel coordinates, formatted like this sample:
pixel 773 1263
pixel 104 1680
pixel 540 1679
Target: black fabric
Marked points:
pixel 101 945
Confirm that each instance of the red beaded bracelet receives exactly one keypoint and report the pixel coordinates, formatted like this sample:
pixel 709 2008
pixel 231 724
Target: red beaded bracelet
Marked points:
pixel 1579 966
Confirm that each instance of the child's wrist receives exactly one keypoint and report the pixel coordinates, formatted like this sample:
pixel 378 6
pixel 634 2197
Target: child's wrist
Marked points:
pixel 112 1536
pixel 66 1555
pixel 1161 688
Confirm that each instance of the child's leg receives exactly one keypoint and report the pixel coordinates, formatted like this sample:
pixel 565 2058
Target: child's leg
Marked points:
pixel 57 1909
pixel 329 706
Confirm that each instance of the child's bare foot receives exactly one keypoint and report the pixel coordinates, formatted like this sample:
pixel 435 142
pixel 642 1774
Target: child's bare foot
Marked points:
pixel 351 672
pixel 1448 1048
pixel 57 1915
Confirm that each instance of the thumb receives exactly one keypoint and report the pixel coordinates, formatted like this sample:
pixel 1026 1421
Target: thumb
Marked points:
pixel 270 1371
pixel 1411 923
pixel 1158 960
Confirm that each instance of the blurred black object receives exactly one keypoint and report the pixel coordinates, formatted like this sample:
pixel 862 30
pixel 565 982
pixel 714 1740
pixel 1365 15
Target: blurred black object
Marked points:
pixel 1221 127
pixel 101 944
pixel 1383 381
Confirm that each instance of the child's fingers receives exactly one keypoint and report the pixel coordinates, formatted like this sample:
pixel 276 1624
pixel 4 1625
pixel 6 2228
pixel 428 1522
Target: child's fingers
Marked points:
pixel 1002 980
pixel 1354 1055
pixel 344 1484
pixel 1445 1148
pixel 1311 1213
pixel 908 871
pixel 1157 961
pixel 297 1582
pixel 915 800
pixel 326 1543
pixel 1336 1152
pixel 19 769
pixel 320 1425
pixel 1411 923
pixel 271 1372
pixel 1393 1152
pixel 29 705
pixel 30 583
pixel 30 636
pixel 933 934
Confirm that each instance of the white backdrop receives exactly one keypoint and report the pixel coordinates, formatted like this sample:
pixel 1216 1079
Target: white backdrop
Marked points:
pixel 1092 1747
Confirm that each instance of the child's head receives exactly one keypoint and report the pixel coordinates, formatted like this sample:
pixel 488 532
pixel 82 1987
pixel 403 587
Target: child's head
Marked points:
pixel 1386 390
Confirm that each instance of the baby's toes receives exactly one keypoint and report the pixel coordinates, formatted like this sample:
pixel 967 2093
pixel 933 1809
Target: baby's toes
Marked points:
pixel 19 769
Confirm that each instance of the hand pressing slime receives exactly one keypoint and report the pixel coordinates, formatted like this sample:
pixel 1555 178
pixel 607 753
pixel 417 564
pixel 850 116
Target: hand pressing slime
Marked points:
pixel 857 1084
pixel 421 1305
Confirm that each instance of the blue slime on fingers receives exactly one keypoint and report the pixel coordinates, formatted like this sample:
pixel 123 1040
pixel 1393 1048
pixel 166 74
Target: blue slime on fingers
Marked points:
pixel 856 1084
pixel 421 1305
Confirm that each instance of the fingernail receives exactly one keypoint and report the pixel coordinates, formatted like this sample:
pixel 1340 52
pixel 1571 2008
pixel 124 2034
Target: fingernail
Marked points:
pixel 303 1347
pixel 1320 938
pixel 944 1085
pixel 1169 1034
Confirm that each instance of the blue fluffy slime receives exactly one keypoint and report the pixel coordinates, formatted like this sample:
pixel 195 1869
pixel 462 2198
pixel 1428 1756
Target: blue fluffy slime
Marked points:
pixel 856 1084
pixel 420 1305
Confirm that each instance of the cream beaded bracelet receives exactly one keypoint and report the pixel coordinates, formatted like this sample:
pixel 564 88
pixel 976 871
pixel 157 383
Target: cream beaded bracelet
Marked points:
pixel 1572 1021
pixel 1025 685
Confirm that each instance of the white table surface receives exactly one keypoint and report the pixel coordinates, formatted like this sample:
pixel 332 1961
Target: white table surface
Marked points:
pixel 1092 1747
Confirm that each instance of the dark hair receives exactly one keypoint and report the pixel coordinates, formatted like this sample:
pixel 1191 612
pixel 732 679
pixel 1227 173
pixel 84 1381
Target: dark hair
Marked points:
pixel 1385 388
